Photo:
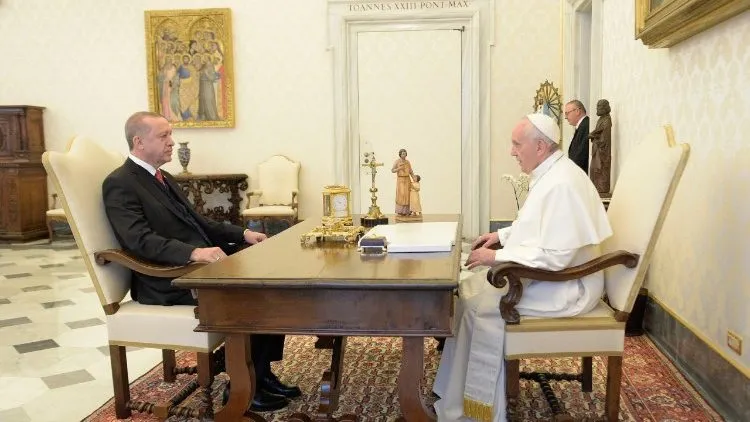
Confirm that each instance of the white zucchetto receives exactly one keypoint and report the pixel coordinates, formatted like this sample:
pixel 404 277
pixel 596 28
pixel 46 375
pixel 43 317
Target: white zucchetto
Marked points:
pixel 546 125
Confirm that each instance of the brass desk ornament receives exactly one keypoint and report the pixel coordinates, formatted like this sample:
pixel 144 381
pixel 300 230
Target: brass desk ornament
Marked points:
pixel 374 215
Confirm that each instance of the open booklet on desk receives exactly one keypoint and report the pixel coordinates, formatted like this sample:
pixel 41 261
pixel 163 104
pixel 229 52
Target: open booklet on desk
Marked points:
pixel 416 237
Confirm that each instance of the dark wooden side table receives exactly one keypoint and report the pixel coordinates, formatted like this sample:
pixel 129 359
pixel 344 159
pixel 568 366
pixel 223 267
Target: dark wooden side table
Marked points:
pixel 195 185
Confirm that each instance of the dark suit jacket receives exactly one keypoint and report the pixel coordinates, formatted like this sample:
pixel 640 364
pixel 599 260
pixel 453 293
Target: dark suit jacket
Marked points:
pixel 579 146
pixel 153 226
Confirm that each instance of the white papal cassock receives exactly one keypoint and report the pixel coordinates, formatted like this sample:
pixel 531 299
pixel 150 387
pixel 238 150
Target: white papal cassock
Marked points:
pixel 560 225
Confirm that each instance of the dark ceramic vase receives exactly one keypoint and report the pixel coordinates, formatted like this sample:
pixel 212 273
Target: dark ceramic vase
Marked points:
pixel 183 153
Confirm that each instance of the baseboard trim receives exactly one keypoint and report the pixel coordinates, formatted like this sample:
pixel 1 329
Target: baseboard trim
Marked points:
pixel 496 225
pixel 725 386
pixel 700 335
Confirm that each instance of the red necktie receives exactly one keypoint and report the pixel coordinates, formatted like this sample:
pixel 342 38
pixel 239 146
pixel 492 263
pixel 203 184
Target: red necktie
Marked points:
pixel 160 178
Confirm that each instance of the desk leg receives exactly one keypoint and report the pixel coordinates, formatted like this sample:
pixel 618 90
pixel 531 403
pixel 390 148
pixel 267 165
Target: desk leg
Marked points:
pixel 409 379
pixel 330 384
pixel 242 377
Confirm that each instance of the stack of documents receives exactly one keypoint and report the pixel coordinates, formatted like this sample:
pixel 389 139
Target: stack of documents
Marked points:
pixel 417 237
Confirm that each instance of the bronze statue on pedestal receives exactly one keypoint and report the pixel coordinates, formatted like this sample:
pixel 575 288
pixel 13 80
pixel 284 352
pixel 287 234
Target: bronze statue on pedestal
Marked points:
pixel 601 147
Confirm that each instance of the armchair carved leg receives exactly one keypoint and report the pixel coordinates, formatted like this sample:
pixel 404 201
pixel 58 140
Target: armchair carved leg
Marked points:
pixel 50 230
pixel 587 374
pixel 120 381
pixel 614 378
pixel 169 364
pixel 512 386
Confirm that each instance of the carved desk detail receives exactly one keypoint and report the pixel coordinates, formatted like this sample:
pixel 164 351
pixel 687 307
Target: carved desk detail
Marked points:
pixel 195 185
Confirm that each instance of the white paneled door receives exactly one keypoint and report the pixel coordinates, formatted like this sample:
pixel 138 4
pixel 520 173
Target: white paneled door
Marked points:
pixel 409 96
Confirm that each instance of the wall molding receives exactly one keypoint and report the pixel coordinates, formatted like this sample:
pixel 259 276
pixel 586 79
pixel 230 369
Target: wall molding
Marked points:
pixel 346 18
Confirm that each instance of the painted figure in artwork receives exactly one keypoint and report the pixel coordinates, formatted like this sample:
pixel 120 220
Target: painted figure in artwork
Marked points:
pixel 415 203
pixel 601 149
pixel 404 174
pixel 544 108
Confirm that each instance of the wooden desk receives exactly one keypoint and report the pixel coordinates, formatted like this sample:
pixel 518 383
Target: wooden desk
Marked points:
pixel 195 185
pixel 283 287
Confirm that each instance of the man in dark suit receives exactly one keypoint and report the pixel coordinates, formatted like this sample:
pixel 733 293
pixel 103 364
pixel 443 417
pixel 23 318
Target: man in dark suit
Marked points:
pixel 578 151
pixel 153 220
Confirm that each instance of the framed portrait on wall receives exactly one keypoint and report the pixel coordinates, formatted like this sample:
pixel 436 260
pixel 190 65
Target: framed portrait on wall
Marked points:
pixel 664 23
pixel 189 66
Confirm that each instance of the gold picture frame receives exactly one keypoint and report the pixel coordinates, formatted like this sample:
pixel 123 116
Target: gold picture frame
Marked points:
pixel 664 23
pixel 190 66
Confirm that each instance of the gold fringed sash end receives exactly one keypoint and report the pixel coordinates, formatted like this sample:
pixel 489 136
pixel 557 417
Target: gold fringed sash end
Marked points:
pixel 478 411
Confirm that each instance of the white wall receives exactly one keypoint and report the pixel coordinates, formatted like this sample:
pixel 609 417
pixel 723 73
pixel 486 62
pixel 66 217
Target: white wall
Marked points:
pixel 528 51
pixel 85 61
pixel 702 87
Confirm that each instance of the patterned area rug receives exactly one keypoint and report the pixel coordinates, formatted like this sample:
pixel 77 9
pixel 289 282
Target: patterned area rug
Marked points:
pixel 652 389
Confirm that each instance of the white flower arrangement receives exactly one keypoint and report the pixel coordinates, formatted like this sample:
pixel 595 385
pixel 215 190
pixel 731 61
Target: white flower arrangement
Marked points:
pixel 520 186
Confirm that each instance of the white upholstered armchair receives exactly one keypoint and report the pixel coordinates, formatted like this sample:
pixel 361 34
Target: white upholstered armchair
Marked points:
pixel 639 205
pixel 77 176
pixel 278 186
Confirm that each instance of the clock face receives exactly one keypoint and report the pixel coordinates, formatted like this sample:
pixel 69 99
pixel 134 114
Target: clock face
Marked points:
pixel 340 205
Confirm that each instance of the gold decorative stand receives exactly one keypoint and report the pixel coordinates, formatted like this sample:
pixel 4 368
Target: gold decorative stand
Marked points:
pixel 374 215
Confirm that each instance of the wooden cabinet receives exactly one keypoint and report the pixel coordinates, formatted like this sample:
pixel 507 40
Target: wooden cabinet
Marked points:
pixel 23 181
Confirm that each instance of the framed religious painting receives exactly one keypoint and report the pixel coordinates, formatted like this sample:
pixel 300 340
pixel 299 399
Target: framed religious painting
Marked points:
pixel 189 66
pixel 664 23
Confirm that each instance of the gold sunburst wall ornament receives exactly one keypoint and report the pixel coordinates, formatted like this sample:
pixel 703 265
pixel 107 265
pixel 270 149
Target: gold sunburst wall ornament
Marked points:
pixel 547 101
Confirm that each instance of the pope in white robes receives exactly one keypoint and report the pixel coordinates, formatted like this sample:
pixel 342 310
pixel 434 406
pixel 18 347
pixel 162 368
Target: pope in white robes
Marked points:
pixel 561 224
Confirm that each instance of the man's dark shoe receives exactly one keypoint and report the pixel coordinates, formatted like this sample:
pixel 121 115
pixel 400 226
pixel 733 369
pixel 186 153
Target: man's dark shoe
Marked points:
pixel 272 385
pixel 266 402
pixel 262 401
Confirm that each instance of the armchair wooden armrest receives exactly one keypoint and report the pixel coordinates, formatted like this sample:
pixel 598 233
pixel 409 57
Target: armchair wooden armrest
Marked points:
pixel 254 192
pixel 129 261
pixel 512 273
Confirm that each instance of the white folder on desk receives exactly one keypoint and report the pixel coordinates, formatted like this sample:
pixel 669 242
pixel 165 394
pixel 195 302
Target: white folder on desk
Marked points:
pixel 417 237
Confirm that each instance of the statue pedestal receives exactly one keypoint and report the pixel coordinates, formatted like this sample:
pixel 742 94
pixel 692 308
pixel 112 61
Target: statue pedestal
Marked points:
pixel 407 218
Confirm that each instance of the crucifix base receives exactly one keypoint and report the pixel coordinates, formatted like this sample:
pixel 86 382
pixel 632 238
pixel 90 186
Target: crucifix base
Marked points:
pixel 374 221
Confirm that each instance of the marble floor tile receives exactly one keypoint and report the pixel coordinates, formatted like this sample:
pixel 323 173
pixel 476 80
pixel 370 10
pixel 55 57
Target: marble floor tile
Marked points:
pixel 30 333
pixel 13 321
pixel 74 332
pixel 57 304
pixel 93 336
pixel 35 288
pixel 67 378
pixel 35 346
pixel 91 322
pixel 17 275
pixel 16 414
pixel 16 391
pixel 69 276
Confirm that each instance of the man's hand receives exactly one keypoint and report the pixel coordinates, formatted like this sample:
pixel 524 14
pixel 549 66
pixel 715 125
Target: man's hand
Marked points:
pixel 480 256
pixel 252 237
pixel 207 255
pixel 486 240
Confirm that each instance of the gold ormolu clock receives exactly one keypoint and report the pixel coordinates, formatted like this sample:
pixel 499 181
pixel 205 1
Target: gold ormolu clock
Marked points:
pixel 337 218
pixel 337 208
